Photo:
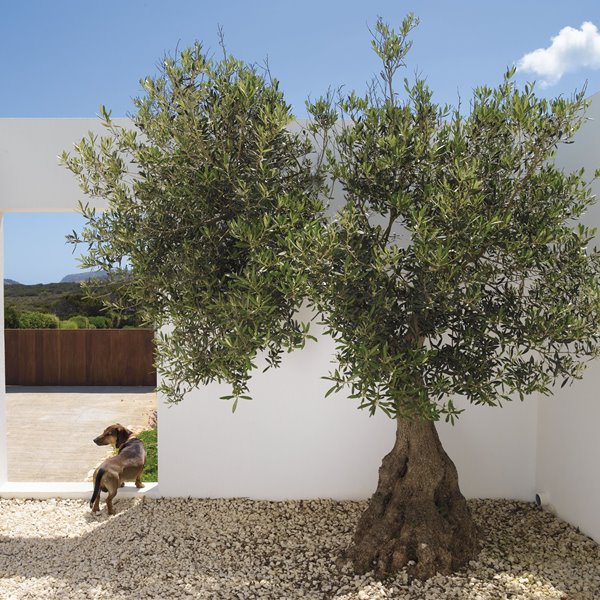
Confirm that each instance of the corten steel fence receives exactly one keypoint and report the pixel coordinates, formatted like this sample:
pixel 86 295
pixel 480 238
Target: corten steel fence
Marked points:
pixel 79 357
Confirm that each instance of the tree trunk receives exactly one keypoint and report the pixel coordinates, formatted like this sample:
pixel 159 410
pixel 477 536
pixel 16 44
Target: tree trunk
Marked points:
pixel 417 513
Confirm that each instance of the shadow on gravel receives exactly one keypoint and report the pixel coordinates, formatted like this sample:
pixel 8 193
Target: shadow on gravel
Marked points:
pixel 111 557
pixel 149 551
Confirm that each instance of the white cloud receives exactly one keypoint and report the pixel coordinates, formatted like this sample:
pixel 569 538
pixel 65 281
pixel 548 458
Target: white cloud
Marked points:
pixel 571 49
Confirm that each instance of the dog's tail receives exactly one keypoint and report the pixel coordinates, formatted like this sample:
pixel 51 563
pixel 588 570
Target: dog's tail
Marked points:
pixel 97 479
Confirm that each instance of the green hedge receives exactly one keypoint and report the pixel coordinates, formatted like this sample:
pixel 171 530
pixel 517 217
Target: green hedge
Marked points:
pixel 100 322
pixel 38 320
pixel 149 437
pixel 32 319
pixel 11 317
pixel 82 322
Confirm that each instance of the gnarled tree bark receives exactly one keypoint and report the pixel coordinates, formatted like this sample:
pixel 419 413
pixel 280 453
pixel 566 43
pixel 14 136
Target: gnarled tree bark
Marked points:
pixel 418 513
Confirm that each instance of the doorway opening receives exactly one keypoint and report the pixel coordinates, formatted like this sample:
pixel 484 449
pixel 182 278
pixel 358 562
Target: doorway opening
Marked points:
pixel 71 368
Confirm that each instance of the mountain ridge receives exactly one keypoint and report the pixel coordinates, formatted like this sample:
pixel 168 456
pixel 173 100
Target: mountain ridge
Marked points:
pixel 70 278
pixel 77 277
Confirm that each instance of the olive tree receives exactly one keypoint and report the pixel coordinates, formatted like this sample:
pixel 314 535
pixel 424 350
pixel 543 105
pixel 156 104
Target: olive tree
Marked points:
pixel 455 268
pixel 205 192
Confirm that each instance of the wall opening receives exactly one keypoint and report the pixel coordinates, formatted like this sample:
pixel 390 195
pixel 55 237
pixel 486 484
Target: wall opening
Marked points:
pixel 72 369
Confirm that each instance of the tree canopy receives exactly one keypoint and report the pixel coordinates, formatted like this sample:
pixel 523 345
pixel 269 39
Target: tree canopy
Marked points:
pixel 206 194
pixel 455 266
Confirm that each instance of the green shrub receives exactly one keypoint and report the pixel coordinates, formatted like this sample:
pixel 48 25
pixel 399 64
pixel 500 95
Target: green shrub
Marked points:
pixel 76 303
pixel 11 317
pixel 68 325
pixel 82 322
pixel 149 437
pixel 38 320
pixel 99 322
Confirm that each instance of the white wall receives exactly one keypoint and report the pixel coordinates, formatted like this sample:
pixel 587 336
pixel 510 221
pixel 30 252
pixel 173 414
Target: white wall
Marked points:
pixel 494 449
pixel 568 448
pixel 288 442
pixel 30 176
pixel 292 442
pixel 568 466
pixel 585 152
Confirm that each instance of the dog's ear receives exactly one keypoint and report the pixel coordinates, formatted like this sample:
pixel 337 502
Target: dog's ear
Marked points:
pixel 122 435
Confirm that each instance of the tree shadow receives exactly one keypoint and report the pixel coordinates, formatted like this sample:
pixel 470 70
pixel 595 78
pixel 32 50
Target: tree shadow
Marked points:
pixel 109 557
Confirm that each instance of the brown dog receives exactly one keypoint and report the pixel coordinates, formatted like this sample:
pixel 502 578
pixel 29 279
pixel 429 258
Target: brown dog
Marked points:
pixel 127 465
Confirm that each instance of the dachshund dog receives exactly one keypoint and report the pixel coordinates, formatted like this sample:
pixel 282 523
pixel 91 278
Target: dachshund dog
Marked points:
pixel 127 465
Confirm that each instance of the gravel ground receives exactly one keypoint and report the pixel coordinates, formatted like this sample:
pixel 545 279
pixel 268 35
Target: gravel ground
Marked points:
pixel 184 548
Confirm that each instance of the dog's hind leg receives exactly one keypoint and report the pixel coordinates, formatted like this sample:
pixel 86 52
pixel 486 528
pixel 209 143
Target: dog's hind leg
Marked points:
pixel 109 504
pixel 95 499
pixel 112 483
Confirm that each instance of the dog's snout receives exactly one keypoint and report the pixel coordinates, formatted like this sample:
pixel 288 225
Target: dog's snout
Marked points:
pixel 97 441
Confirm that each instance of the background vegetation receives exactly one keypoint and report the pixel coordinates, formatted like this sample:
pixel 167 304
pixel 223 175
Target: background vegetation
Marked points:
pixel 151 469
pixel 60 305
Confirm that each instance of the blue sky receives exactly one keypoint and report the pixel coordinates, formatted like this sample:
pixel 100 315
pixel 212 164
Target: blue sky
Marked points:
pixel 64 58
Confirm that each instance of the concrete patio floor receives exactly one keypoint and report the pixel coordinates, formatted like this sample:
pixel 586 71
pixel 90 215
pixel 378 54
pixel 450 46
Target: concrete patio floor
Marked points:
pixel 50 429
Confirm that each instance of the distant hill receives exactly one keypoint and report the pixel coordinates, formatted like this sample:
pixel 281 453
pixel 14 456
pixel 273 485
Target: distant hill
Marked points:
pixel 43 297
pixel 65 300
pixel 11 282
pixel 77 277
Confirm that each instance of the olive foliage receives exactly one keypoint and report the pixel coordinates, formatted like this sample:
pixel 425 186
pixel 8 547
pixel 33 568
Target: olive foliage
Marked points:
pixel 205 194
pixel 456 265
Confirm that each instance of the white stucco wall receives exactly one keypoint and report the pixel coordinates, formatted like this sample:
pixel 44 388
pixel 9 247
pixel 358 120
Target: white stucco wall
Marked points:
pixel 568 466
pixel 494 449
pixel 292 442
pixel 288 442
pixel 30 176
pixel 568 445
